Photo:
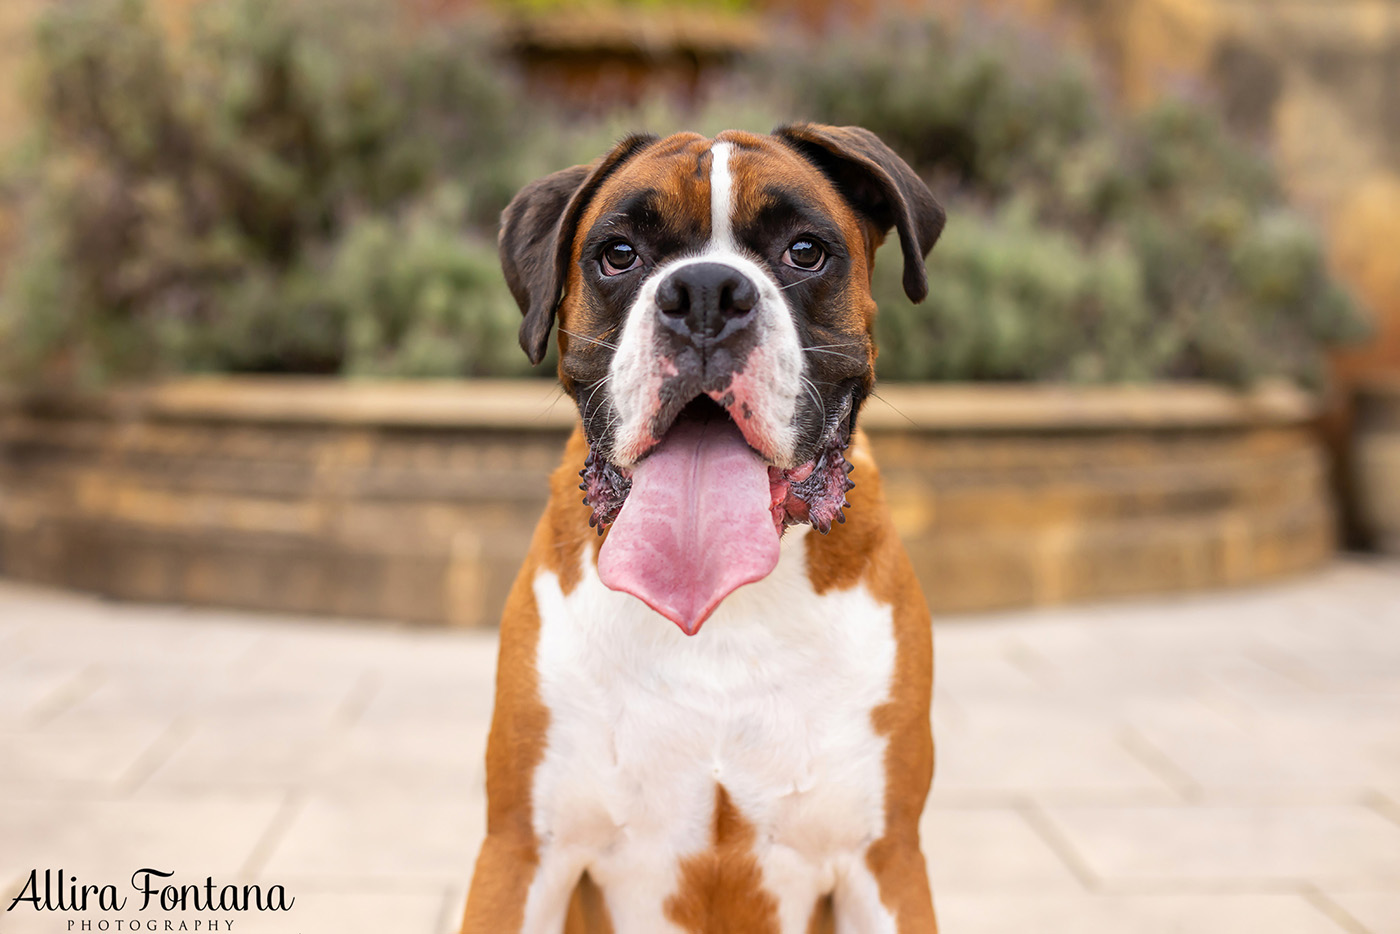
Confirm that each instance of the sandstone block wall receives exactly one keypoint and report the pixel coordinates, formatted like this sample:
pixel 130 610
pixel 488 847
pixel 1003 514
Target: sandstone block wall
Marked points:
pixel 417 503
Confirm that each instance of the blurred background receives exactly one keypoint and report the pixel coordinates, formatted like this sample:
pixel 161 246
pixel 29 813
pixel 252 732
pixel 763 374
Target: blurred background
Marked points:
pixel 256 352
pixel 1163 189
pixel 253 331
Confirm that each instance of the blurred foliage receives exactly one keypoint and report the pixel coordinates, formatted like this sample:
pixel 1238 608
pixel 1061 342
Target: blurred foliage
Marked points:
pixel 1082 245
pixel 531 7
pixel 312 186
pixel 407 295
pixel 204 203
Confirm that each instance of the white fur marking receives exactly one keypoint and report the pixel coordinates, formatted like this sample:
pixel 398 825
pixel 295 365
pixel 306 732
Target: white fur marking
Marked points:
pixel 721 198
pixel 772 377
pixel 772 699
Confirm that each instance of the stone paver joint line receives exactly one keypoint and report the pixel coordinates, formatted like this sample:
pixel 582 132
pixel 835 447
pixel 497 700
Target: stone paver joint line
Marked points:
pixel 1216 764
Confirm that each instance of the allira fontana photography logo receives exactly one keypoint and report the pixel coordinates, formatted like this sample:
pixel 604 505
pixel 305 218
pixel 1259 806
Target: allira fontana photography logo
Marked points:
pixel 150 890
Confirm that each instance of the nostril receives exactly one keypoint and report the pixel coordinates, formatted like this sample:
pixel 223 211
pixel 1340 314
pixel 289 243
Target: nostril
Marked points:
pixel 726 298
pixel 739 297
pixel 673 298
pixel 706 299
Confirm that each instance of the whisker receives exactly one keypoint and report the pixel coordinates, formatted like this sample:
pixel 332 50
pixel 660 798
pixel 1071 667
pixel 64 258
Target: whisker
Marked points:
pixel 591 340
pixel 839 344
pixel 596 386
pixel 897 410
pixel 613 419
pixel 559 393
pixel 816 396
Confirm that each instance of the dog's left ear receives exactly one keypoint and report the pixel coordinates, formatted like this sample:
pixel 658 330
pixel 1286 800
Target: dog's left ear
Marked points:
pixel 879 185
pixel 537 239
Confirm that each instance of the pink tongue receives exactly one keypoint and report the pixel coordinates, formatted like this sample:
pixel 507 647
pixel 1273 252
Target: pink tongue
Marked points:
pixel 696 525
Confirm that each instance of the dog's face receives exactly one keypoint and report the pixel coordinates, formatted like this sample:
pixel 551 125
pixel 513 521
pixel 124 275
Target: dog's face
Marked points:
pixel 723 280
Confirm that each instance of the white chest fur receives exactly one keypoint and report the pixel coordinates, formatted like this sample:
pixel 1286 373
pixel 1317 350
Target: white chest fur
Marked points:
pixel 772 700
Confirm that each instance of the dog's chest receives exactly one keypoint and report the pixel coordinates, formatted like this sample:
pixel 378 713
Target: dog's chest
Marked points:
pixel 772 701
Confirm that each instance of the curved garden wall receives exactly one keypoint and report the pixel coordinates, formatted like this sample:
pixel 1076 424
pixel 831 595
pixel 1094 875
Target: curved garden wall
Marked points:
pixel 415 501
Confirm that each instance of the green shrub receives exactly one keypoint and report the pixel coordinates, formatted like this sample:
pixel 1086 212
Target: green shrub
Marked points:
pixel 313 186
pixel 196 192
pixel 1080 246
pixel 421 299
pixel 410 296
pixel 589 6
pixel 1013 300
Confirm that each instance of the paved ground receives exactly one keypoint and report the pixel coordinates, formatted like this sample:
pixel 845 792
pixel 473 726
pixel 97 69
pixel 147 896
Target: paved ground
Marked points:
pixel 1224 764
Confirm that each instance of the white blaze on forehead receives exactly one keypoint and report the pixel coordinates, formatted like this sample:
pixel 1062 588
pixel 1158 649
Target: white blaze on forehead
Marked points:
pixel 721 198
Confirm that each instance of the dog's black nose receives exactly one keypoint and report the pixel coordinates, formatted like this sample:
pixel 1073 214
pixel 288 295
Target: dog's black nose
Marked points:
pixel 706 301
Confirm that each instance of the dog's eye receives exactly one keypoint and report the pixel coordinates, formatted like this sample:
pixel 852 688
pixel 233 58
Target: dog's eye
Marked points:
pixel 618 257
pixel 804 253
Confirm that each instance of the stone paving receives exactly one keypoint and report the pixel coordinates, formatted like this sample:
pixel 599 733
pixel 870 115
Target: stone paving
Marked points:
pixel 1224 763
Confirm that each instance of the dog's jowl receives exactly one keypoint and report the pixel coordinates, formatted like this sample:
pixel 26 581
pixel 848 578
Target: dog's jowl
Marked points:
pixel 712 704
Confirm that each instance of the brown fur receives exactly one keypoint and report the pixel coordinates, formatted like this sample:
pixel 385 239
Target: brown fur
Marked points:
pixel 670 168
pixel 868 549
pixel 721 889
pixel 588 913
pixel 761 159
pixel 515 747
pixel 677 168
pixel 519 721
pixel 566 518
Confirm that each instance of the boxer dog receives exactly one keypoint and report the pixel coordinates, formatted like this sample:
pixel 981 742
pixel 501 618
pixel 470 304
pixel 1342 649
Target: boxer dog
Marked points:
pixel 763 774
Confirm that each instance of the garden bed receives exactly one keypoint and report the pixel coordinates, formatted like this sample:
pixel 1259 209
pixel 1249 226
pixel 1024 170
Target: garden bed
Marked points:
pixel 415 501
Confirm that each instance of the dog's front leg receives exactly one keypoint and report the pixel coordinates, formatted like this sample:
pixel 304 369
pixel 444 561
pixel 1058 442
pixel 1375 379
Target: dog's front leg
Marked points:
pixel 887 892
pixel 505 868
pixel 518 890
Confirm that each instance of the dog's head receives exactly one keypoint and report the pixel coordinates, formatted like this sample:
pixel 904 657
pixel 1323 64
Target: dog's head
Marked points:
pixel 716 332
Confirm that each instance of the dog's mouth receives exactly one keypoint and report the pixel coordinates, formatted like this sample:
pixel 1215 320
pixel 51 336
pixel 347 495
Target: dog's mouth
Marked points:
pixel 702 513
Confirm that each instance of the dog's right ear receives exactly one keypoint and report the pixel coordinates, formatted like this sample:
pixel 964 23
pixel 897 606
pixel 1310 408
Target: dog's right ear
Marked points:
pixel 537 237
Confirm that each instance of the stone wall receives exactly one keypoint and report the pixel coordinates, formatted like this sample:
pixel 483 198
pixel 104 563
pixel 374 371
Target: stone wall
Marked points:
pixel 416 502
pixel 281 495
pixel 1007 496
